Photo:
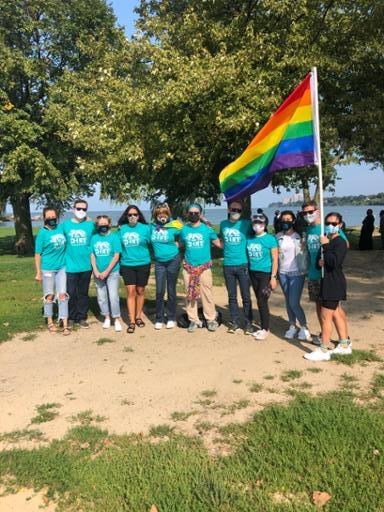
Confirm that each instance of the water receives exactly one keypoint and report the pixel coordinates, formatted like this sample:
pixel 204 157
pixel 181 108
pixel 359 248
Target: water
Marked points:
pixel 352 215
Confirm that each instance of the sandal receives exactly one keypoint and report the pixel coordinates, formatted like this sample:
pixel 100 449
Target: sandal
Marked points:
pixel 66 331
pixel 139 322
pixel 131 328
pixel 52 327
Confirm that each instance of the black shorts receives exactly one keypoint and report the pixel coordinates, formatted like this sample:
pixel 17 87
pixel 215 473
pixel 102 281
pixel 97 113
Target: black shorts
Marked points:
pixel 137 275
pixel 329 304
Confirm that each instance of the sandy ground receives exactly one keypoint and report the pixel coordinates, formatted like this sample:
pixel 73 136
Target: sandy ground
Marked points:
pixel 138 381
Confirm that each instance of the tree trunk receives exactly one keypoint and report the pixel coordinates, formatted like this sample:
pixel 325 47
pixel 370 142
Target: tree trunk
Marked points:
pixel 23 224
pixel 306 193
pixel 316 196
pixel 247 207
pixel 3 205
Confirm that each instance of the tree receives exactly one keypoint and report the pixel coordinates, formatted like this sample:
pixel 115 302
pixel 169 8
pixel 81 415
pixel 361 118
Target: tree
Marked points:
pixel 187 94
pixel 39 41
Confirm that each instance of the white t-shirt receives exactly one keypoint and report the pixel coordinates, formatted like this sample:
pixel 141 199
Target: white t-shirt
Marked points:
pixel 287 249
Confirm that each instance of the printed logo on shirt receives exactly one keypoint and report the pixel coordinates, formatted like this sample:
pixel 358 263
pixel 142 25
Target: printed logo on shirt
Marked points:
pixel 255 250
pixel 313 242
pixel 232 236
pixel 160 236
pixel 58 241
pixel 77 237
pixel 102 248
pixel 194 240
pixel 131 239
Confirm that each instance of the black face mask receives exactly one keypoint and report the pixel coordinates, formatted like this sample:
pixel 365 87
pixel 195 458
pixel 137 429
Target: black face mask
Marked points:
pixel 103 229
pixel 51 222
pixel 286 225
pixel 193 217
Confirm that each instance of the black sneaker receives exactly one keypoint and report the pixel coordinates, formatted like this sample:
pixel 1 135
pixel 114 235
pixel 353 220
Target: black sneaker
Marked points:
pixel 71 324
pixel 249 329
pixel 233 327
pixel 84 324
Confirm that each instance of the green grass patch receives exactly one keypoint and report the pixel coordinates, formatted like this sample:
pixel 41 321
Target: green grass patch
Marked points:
pixel 378 384
pixel 22 435
pixel 204 426
pixel 289 375
pixel 45 412
pixel 255 387
pixel 236 406
pixel 104 341
pixel 128 349
pixel 326 443
pixel 357 356
pixel 29 337
pixel 314 369
pixel 181 415
pixel 237 381
pixel 268 377
pixel 208 393
pixel 87 417
pixel 163 430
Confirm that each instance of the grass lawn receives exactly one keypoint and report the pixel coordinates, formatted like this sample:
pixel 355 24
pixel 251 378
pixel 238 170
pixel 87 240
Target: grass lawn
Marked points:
pixel 277 460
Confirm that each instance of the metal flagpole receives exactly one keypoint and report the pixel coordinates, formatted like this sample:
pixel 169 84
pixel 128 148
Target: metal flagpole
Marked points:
pixel 316 126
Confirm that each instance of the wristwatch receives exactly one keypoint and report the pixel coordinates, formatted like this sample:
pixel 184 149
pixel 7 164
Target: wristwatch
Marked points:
pixel 274 276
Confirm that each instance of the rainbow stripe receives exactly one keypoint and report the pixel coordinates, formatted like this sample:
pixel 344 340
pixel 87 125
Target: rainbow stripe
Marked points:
pixel 285 141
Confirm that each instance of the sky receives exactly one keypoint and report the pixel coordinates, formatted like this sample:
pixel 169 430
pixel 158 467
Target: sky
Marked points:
pixel 353 179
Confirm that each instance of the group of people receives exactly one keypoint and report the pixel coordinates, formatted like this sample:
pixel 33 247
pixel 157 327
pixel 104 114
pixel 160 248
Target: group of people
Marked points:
pixel 367 229
pixel 67 254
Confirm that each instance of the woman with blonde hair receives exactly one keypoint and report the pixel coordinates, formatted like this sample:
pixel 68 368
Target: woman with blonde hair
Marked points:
pixel 164 235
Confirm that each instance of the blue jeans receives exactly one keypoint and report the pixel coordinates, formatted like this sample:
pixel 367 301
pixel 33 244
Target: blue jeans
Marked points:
pixel 292 287
pixel 166 274
pixel 234 274
pixel 55 279
pixel 109 289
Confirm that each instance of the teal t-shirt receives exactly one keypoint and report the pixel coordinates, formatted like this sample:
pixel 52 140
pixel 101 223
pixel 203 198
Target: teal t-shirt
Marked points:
pixel 135 244
pixel 313 246
pixel 234 236
pixel 104 247
pixel 259 252
pixel 50 244
pixel 163 242
pixel 197 242
pixel 78 253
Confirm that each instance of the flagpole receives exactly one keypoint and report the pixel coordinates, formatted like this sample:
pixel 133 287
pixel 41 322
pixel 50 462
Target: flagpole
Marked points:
pixel 316 123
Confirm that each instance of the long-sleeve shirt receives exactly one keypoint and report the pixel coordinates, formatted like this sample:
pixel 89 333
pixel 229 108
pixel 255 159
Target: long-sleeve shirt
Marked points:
pixel 333 285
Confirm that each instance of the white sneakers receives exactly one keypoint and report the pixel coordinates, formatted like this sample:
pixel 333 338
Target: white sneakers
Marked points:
pixel 158 325
pixel 318 355
pixel 304 334
pixel 118 327
pixel 171 324
pixel 343 350
pixel 291 333
pixel 107 323
pixel 261 334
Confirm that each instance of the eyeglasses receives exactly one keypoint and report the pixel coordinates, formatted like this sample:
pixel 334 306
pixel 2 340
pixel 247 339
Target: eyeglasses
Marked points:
pixel 308 212
pixel 236 210
pixel 331 223
pixel 132 215
pixel 258 222
pixel 81 209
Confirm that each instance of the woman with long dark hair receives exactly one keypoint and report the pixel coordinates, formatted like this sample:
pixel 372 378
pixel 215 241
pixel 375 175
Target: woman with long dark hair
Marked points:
pixel 135 237
pixel 365 241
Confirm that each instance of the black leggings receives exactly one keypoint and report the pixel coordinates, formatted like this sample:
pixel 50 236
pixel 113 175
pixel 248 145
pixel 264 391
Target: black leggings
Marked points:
pixel 260 280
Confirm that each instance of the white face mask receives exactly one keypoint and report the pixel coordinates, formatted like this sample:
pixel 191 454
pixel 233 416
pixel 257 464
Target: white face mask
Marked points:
pixel 311 217
pixel 258 228
pixel 80 214
pixel 162 220
pixel 235 216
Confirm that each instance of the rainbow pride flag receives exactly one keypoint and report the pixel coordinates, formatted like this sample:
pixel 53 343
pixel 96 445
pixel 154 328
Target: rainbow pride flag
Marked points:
pixel 287 140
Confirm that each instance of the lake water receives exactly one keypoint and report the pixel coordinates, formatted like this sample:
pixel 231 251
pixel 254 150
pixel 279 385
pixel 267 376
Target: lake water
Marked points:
pixel 352 215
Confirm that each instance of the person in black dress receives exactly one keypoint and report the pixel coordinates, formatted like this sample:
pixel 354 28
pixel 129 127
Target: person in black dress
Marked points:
pixel 366 242
pixel 333 289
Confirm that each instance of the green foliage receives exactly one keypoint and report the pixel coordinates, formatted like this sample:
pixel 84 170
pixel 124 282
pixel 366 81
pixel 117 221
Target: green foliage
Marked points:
pixel 103 341
pixel 44 412
pixel 357 356
pixel 291 375
pixel 327 443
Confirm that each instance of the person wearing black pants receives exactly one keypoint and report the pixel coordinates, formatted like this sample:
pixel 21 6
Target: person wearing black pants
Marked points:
pixel 77 289
pixel 234 232
pixel 262 252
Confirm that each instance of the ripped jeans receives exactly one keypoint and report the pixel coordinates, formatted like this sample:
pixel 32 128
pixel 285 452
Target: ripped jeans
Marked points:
pixel 55 279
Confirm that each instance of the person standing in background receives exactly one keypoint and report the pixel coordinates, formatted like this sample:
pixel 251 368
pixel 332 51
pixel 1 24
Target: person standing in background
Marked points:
pixel 277 222
pixel 135 264
pixel 167 263
pixel 365 241
pixel 105 255
pixel 234 232
pixel 78 232
pixel 50 268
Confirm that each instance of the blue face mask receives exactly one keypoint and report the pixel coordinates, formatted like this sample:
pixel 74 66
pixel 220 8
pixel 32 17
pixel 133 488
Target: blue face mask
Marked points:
pixel 331 230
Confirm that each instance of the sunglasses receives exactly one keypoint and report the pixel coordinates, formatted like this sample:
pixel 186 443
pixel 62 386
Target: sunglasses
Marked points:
pixel 132 215
pixel 258 222
pixel 308 212
pixel 81 209
pixel 331 223
pixel 236 210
